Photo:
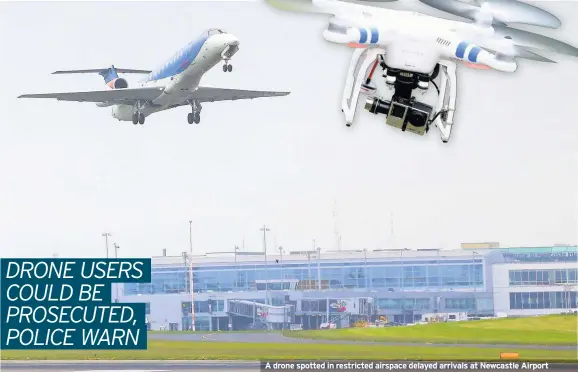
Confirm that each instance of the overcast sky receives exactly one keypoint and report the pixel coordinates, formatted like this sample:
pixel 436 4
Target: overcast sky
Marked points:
pixel 69 171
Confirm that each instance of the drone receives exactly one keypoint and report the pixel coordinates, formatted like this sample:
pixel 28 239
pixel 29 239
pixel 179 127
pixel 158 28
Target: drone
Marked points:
pixel 413 49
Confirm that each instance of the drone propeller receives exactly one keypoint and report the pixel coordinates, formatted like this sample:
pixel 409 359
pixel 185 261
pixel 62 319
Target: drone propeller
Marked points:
pixel 306 6
pixel 503 11
pixel 330 7
pixel 525 40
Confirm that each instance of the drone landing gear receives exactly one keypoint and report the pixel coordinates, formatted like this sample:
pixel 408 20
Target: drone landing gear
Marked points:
pixel 446 106
pixel 360 62
pixel 195 115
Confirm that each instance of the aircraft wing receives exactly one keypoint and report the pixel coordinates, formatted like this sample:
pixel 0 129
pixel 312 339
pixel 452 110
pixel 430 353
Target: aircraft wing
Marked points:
pixel 116 96
pixel 209 94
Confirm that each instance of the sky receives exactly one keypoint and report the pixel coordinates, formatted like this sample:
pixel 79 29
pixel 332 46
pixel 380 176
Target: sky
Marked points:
pixel 69 171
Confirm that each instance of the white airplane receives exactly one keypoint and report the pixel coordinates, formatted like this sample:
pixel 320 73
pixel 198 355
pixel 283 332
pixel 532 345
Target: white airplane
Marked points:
pixel 413 49
pixel 174 84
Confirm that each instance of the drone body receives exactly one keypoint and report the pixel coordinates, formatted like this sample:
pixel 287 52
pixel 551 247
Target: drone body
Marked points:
pixel 413 49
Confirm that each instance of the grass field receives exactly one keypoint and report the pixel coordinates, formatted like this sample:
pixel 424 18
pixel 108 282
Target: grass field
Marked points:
pixel 543 330
pixel 176 350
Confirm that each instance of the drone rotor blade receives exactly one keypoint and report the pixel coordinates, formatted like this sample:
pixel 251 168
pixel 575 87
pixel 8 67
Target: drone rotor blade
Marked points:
pixel 526 54
pixel 503 11
pixel 305 6
pixel 529 40
pixel 341 7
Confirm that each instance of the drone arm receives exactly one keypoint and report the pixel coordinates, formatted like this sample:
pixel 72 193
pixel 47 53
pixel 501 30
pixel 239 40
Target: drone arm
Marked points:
pixel 471 53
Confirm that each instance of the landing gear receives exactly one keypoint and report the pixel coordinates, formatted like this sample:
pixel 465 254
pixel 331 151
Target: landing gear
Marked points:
pixel 227 67
pixel 138 118
pixel 195 116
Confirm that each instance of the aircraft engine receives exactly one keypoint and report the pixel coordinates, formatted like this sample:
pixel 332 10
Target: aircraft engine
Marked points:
pixel 122 112
pixel 118 83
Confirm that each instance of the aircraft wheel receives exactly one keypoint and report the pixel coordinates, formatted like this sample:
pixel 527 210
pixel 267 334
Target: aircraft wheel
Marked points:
pixel 135 119
pixel 190 118
pixel 225 68
pixel 141 119
pixel 230 68
pixel 197 118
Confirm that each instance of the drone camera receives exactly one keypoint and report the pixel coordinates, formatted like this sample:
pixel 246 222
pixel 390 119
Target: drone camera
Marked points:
pixel 407 115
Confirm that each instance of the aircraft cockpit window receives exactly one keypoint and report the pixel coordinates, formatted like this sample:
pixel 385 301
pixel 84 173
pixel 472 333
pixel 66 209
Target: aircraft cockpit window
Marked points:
pixel 215 31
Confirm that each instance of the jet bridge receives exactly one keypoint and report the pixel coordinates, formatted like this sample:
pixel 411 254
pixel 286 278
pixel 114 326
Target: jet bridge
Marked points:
pixel 262 313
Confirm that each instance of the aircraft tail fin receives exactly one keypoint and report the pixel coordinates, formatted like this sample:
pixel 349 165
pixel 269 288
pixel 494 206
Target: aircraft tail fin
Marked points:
pixel 108 74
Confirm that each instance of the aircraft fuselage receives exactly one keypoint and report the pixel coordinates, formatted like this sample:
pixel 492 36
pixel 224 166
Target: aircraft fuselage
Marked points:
pixel 180 76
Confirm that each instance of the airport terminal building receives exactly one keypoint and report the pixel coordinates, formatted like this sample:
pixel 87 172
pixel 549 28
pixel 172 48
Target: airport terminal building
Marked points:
pixel 248 290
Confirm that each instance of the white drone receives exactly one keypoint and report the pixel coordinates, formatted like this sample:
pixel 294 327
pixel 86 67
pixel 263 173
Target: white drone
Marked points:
pixel 413 48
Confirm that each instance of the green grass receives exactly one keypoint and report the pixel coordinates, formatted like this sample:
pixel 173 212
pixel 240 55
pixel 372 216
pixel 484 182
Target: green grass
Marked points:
pixel 543 330
pixel 177 350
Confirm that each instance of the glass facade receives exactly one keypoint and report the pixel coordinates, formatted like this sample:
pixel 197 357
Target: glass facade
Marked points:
pixel 202 322
pixel 203 306
pixel 385 275
pixel 543 277
pixel 460 303
pixel 543 300
pixel 403 304
pixel 540 254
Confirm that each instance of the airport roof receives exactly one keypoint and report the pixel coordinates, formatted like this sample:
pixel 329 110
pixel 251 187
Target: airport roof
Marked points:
pixel 241 257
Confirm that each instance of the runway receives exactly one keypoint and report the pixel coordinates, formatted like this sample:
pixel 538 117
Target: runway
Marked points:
pixel 277 337
pixel 129 366
pixel 208 366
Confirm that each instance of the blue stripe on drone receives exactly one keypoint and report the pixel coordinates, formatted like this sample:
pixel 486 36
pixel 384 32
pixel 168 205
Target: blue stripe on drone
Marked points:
pixel 473 55
pixel 363 38
pixel 374 36
pixel 461 49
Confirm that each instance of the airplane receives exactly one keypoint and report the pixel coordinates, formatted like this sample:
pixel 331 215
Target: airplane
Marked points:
pixel 174 84
pixel 413 49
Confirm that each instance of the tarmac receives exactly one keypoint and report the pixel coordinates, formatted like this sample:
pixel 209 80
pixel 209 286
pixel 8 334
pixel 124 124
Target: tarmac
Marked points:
pixel 277 337
pixel 129 366
pixel 226 366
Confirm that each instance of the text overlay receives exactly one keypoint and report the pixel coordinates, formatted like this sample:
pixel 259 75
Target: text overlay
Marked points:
pixel 67 304
pixel 400 366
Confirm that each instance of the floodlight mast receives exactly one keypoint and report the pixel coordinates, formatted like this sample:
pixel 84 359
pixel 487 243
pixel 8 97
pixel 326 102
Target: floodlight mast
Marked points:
pixel 191 288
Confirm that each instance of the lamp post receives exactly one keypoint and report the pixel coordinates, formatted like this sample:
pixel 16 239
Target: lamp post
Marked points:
pixel 191 236
pixel 282 271
pixel 309 269
pixel 402 289
pixel 116 247
pixel 475 280
pixel 191 285
pixel 106 235
pixel 365 267
pixel 318 268
pixel 236 270
pixel 265 229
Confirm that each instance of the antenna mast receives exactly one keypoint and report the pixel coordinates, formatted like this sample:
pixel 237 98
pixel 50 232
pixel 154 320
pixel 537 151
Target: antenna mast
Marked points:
pixel 335 229
pixel 391 232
